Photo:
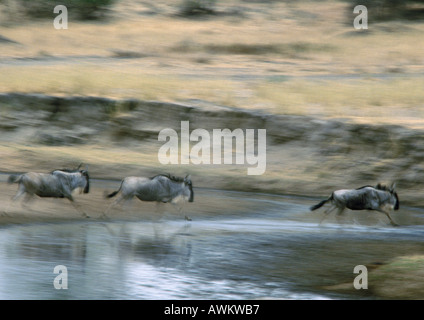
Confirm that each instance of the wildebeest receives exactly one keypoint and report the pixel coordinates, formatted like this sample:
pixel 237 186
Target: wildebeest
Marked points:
pixel 162 188
pixel 380 198
pixel 56 184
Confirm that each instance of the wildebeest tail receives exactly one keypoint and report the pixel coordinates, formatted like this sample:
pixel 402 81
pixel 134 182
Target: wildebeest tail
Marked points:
pixel 114 193
pixel 14 178
pixel 319 205
pixel 111 195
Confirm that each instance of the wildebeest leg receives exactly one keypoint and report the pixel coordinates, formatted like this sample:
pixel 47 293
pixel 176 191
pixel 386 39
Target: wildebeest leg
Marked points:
pixel 339 214
pixel 326 212
pixel 113 204
pixel 181 210
pixel 28 198
pixel 388 216
pixel 20 193
pixel 180 207
pixel 77 207
pixel 159 210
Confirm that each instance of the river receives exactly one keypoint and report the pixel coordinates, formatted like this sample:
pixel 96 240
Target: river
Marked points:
pixel 275 249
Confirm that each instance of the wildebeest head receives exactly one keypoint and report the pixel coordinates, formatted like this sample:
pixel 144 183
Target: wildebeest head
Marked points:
pixel 394 199
pixel 394 194
pixel 189 184
pixel 84 173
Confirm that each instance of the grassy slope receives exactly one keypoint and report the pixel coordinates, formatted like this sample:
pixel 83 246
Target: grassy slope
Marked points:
pixel 254 56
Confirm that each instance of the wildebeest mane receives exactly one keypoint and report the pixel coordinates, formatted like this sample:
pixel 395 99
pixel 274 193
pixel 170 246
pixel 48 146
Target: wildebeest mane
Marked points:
pixel 382 187
pixel 65 170
pixel 378 187
pixel 68 170
pixel 363 187
pixel 169 176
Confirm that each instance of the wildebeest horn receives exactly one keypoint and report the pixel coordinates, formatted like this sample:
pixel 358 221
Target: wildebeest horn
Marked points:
pixel 79 166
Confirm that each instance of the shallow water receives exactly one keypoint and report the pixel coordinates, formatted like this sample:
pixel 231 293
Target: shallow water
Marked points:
pixel 278 252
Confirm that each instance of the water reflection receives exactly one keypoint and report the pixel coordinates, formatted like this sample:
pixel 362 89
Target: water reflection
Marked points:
pixel 99 257
pixel 275 254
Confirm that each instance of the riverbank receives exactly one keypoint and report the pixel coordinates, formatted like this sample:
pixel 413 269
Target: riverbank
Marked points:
pixel 117 138
pixel 94 204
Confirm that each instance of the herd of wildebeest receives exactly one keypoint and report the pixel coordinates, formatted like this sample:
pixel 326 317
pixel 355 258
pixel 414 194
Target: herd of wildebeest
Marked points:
pixel 165 188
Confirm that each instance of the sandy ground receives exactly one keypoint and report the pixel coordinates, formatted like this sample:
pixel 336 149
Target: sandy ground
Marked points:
pixel 51 210
pixel 94 204
pixel 209 203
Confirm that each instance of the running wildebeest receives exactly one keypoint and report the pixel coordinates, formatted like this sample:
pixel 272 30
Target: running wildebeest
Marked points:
pixel 379 198
pixel 56 184
pixel 160 188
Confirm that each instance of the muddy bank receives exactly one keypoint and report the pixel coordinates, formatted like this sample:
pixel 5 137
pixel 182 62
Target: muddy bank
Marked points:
pixel 400 278
pixel 305 155
pixel 396 278
pixel 94 204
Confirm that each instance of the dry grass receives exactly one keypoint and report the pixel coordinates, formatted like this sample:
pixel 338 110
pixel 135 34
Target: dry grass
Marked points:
pixel 258 55
pixel 120 83
pixel 397 100
pixel 376 100
pixel 401 278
